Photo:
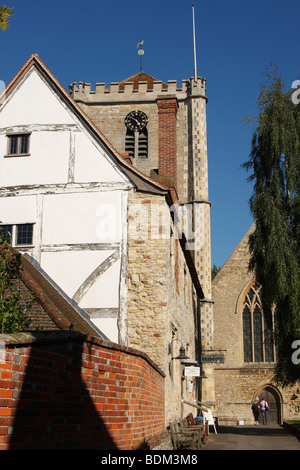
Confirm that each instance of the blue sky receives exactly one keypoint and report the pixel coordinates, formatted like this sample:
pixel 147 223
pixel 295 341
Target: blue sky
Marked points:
pixel 96 41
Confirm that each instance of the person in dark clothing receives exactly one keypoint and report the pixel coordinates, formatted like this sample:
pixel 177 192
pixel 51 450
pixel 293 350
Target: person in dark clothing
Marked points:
pixel 255 410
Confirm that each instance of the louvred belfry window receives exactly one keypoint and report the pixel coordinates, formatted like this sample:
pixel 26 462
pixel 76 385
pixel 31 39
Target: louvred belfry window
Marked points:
pixel 136 143
pixel 129 143
pixel 143 144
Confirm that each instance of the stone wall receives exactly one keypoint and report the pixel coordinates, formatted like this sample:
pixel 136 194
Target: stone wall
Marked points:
pixel 110 120
pixel 228 286
pixel 236 389
pixel 236 383
pixel 109 105
pixel 162 301
pixel 184 144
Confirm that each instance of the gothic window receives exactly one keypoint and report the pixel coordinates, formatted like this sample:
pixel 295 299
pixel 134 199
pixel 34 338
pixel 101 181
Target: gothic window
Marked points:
pixel 136 143
pixel 257 329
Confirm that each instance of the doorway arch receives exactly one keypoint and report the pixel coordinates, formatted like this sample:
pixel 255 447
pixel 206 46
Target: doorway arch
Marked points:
pixel 272 395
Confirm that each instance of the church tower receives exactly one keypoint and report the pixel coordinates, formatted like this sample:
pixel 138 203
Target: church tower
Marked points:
pixel 161 128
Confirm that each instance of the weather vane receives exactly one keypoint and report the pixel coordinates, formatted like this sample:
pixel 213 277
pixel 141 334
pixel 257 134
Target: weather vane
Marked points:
pixel 140 53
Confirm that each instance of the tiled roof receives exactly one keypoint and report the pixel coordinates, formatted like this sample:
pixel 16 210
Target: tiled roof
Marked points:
pixel 141 77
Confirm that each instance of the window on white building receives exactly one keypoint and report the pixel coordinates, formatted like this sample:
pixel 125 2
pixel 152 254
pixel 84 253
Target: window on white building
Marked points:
pixel 17 234
pixel 18 144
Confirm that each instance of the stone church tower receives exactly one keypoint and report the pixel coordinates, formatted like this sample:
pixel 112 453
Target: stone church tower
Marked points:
pixel 161 128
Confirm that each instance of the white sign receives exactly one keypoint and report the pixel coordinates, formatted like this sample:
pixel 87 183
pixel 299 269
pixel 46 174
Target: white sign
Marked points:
pixel 207 415
pixel 192 371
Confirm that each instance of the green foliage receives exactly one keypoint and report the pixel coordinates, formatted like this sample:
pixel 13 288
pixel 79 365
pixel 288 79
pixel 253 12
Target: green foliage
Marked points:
pixel 13 310
pixel 214 271
pixel 275 204
pixel 5 14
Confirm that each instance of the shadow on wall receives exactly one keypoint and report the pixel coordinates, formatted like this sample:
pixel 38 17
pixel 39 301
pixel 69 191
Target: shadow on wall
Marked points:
pixel 55 410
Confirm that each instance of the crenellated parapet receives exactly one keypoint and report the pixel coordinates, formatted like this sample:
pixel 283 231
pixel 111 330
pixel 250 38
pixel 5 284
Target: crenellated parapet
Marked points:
pixel 136 90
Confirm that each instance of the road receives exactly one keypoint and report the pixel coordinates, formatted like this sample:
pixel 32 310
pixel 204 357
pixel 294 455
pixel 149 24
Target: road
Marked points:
pixel 251 438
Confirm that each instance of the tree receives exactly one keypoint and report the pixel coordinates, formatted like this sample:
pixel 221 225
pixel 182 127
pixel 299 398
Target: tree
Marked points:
pixel 13 309
pixel 214 271
pixel 275 204
pixel 5 14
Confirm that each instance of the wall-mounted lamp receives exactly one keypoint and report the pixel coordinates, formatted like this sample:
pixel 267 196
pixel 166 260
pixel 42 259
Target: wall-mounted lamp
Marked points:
pixel 182 354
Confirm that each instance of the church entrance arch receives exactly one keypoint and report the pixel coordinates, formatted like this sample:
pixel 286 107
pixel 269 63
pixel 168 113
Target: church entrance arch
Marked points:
pixel 273 397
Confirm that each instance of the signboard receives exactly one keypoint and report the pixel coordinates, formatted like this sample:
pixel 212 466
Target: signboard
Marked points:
pixel 212 358
pixel 207 415
pixel 192 371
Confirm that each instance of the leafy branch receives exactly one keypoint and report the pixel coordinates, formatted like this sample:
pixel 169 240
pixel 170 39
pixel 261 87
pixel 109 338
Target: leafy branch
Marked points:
pixel 14 308
pixel 275 204
pixel 5 14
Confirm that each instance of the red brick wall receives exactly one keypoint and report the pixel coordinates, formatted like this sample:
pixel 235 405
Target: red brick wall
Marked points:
pixel 67 391
pixel 167 141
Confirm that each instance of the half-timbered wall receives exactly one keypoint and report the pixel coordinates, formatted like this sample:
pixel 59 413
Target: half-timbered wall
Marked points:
pixel 75 196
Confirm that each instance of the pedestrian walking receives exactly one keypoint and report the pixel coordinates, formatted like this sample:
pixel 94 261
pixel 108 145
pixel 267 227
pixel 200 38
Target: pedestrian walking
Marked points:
pixel 264 410
pixel 255 410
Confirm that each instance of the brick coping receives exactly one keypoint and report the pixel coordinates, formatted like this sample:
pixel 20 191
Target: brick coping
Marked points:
pixel 27 338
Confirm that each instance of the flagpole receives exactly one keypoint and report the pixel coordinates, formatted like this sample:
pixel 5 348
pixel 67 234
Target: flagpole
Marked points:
pixel 194 36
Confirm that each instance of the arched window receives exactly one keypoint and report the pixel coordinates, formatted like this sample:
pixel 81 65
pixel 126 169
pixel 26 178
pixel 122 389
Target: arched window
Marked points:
pixel 257 330
pixel 136 143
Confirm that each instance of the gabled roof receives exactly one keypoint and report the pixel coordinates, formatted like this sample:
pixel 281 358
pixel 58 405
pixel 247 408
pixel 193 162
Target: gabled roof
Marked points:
pixel 51 310
pixel 141 77
pixel 140 180
pixel 240 258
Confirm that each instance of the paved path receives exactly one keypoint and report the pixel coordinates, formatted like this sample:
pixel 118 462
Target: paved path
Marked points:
pixel 251 438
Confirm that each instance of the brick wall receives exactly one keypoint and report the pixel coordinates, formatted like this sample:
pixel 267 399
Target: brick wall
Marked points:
pixel 65 390
pixel 167 141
